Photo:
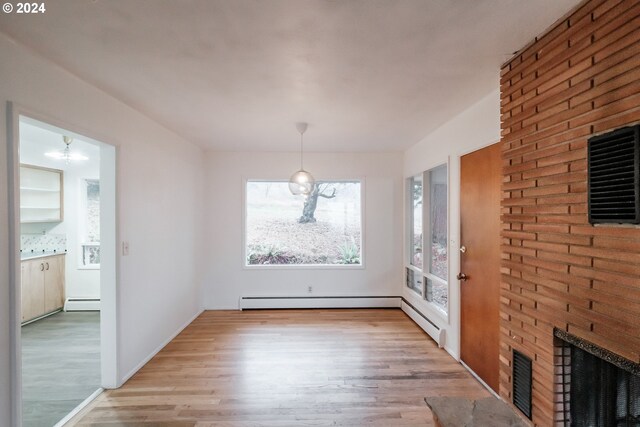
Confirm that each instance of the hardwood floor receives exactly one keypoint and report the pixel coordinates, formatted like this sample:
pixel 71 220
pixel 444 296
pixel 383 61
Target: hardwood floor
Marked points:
pixel 356 367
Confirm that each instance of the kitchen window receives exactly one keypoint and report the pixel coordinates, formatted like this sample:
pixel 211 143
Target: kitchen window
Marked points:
pixel 321 229
pixel 90 223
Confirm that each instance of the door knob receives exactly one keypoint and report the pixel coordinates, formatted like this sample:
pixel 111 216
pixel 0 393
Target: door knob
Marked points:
pixel 463 249
pixel 463 277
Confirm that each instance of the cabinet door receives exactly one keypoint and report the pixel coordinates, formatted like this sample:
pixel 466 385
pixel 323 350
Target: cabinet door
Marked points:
pixel 32 289
pixel 53 283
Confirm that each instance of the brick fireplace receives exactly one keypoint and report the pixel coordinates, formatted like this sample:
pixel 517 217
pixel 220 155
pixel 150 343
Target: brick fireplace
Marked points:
pixel 594 387
pixel 580 78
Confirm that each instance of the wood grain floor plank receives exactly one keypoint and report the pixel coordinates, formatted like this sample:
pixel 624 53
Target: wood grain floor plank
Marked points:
pixel 274 368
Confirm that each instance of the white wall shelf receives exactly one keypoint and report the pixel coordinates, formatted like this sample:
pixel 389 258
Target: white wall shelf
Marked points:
pixel 41 194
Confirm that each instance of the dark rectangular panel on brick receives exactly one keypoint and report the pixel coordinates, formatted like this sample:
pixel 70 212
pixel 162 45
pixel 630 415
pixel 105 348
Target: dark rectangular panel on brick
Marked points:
pixel 614 177
pixel 522 383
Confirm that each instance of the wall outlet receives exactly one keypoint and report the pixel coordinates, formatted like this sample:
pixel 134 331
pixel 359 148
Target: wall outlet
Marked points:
pixel 125 248
pixel 310 289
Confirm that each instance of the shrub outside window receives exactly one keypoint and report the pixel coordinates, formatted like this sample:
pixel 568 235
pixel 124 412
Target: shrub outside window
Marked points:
pixel 322 229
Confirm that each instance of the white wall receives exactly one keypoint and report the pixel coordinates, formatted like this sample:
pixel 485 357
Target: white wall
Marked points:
pixel 160 183
pixel 227 280
pixel 474 128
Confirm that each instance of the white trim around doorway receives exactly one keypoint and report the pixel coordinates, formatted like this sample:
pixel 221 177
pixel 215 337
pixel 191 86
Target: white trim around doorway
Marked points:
pixel 109 268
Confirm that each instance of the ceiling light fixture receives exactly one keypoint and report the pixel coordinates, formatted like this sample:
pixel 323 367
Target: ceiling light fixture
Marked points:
pixel 301 182
pixel 66 155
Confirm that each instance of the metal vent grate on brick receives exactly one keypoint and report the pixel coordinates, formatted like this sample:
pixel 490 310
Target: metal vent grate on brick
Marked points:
pixel 522 383
pixel 614 177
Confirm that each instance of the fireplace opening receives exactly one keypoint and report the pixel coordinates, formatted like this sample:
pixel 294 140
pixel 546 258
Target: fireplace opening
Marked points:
pixel 597 388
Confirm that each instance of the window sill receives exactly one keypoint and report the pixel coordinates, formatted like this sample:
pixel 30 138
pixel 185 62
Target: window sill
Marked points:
pixel 304 267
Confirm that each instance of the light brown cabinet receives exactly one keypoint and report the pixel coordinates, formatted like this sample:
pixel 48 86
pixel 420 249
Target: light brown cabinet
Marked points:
pixel 42 286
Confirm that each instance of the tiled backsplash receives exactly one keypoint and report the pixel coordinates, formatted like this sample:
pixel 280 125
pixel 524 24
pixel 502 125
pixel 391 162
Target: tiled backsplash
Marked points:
pixel 43 242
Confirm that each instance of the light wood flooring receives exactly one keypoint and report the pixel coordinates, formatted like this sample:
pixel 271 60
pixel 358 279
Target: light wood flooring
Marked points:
pixel 360 367
pixel 60 365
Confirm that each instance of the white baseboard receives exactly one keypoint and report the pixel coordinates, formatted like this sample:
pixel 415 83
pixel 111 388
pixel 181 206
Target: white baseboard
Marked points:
pixel 82 304
pixel 246 303
pixel 438 335
pixel 157 350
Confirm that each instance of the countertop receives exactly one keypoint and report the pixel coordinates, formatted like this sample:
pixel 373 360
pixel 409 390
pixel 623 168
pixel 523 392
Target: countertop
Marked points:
pixel 33 255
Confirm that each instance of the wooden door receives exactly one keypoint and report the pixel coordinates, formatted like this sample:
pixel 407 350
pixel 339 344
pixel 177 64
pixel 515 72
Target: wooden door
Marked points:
pixel 53 283
pixel 480 180
pixel 32 289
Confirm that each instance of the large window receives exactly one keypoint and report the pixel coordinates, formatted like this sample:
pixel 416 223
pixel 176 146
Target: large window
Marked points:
pixel 427 273
pixel 436 286
pixel 415 184
pixel 324 228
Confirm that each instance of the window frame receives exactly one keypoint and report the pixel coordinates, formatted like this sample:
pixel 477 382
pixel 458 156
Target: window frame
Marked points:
pixel 427 225
pixel 410 229
pixel 361 266
pixel 82 227
pixel 409 234
pixel 425 273
pixel 84 266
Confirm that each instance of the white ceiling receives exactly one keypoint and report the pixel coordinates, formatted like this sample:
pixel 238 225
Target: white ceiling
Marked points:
pixel 368 75
pixel 36 139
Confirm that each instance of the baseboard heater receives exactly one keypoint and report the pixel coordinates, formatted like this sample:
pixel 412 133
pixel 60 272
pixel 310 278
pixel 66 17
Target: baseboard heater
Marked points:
pixel 269 303
pixel 253 303
pixel 82 304
pixel 438 334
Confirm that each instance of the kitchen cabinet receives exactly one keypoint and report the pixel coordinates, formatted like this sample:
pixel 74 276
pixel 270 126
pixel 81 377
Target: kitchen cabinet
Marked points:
pixel 41 193
pixel 42 286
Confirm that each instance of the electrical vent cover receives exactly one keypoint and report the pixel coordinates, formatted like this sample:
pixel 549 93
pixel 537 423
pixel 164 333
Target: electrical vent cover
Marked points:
pixel 522 383
pixel 614 177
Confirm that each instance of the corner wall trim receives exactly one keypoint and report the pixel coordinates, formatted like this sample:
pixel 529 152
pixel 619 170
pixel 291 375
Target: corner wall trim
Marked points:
pixel 82 304
pixel 157 350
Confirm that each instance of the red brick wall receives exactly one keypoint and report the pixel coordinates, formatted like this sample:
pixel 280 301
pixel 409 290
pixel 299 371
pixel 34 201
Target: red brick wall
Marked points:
pixel 580 78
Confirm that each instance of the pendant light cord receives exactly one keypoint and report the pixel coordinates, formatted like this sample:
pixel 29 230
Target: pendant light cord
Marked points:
pixel 301 151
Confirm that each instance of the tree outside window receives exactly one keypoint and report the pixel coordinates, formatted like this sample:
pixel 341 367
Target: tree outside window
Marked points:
pixel 324 228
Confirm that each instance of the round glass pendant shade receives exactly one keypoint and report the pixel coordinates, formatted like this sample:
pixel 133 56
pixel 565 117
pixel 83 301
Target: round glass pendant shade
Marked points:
pixel 301 183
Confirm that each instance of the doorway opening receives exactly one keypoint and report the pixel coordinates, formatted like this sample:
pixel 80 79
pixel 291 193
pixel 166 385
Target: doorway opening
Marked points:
pixel 64 252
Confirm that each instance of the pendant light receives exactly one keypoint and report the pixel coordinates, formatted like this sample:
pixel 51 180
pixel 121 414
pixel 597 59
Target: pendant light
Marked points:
pixel 66 155
pixel 301 182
